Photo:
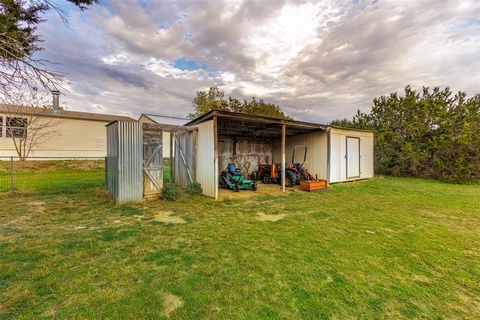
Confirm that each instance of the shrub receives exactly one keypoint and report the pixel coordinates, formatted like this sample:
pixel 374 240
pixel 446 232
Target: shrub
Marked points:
pixel 171 192
pixel 427 134
pixel 194 188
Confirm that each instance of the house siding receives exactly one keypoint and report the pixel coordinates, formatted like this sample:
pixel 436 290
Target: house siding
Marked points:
pixel 66 138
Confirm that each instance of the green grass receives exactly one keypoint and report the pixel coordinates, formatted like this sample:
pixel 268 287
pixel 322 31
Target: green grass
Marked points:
pixel 63 176
pixel 385 248
pixel 166 172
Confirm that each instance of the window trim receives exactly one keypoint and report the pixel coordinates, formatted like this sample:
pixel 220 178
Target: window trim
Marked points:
pixel 7 127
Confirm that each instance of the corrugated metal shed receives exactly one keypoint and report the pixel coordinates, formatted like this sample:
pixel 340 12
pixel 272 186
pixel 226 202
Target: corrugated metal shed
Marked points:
pixel 184 157
pixel 206 161
pixel 125 161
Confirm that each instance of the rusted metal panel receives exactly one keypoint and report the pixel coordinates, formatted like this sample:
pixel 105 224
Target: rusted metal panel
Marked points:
pixel 124 161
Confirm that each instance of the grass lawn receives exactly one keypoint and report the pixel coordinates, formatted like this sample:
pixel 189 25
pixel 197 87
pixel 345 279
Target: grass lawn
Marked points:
pixel 57 176
pixel 384 248
pixel 52 176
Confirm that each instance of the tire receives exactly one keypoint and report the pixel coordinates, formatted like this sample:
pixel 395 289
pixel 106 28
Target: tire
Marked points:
pixel 266 179
pixel 236 188
pixel 298 176
pixel 290 178
pixel 221 182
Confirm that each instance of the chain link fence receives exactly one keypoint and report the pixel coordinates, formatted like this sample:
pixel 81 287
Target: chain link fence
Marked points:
pixel 51 174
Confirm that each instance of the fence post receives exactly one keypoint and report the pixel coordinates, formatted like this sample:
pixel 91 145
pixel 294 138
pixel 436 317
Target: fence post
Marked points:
pixel 105 172
pixel 11 174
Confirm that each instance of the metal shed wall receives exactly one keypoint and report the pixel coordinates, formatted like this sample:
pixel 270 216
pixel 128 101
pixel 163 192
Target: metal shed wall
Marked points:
pixel 338 153
pixel 125 161
pixel 184 155
pixel 317 154
pixel 206 162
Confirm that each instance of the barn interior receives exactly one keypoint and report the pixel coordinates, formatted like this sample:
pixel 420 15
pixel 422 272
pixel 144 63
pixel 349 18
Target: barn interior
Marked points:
pixel 248 140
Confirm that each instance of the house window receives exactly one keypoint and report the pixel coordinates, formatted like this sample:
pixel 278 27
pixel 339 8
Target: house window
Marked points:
pixel 1 126
pixel 16 127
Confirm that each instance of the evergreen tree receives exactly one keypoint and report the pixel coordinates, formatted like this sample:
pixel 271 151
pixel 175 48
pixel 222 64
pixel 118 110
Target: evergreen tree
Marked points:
pixel 432 133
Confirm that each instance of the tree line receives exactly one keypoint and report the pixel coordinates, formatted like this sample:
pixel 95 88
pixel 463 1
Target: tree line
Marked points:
pixel 433 133
pixel 214 99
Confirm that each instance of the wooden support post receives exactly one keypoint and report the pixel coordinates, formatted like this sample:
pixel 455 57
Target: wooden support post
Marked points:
pixel 284 133
pixel 171 156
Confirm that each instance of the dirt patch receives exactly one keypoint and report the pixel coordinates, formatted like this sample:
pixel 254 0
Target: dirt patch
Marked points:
pixel 473 303
pixel 421 278
pixel 21 221
pixel 269 217
pixel 171 303
pixel 4 238
pixel 82 228
pixel 37 206
pixel 167 217
pixel 262 189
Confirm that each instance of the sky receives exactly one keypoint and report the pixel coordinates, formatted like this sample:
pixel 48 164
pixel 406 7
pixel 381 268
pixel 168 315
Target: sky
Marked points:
pixel 318 60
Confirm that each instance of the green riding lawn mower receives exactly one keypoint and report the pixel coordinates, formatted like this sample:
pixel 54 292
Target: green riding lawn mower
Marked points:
pixel 233 179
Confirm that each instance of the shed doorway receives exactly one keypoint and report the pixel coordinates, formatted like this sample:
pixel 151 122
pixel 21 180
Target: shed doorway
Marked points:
pixel 152 162
pixel 353 157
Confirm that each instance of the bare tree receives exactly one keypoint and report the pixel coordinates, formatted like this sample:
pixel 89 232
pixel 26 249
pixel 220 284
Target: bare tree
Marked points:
pixel 19 41
pixel 21 71
pixel 29 120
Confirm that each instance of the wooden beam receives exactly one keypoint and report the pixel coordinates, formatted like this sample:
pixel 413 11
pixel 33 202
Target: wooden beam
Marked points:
pixel 155 127
pixel 284 133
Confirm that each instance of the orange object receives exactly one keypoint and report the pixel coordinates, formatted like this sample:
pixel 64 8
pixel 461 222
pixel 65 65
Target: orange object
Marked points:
pixel 313 185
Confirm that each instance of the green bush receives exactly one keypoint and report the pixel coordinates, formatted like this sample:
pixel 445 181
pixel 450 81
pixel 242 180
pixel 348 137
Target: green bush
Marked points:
pixel 427 134
pixel 171 192
pixel 194 188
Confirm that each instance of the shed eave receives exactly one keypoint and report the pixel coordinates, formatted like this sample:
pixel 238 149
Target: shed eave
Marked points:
pixel 253 118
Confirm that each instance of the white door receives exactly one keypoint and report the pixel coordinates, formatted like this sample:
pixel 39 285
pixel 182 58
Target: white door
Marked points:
pixel 353 157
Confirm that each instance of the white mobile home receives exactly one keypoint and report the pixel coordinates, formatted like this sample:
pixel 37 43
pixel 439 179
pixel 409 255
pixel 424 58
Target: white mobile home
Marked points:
pixel 63 133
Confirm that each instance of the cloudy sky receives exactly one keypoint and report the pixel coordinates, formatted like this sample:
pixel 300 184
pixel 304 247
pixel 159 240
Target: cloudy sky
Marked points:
pixel 319 60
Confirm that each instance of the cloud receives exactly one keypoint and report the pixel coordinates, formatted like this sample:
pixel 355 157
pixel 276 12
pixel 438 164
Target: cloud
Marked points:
pixel 319 60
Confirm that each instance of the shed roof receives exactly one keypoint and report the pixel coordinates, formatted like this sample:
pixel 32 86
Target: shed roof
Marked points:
pixel 67 114
pixel 252 126
pixel 161 119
